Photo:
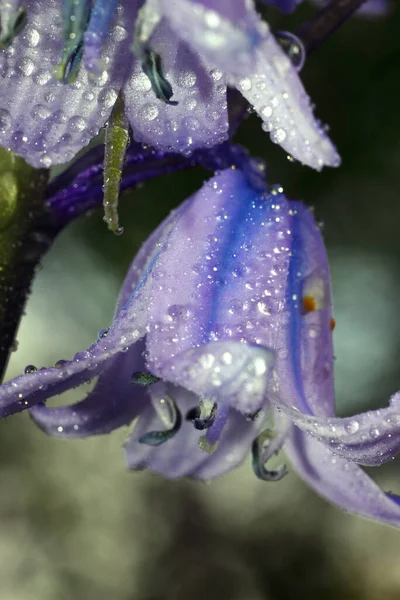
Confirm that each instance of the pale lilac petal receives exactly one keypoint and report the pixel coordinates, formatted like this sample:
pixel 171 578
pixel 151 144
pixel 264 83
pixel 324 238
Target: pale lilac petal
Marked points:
pixel 246 259
pixel 128 327
pixel 42 119
pixel 232 281
pixel 230 372
pixel 310 280
pixel 226 34
pixel 29 389
pixel 114 402
pixel 199 120
pixel 181 455
pixel 370 438
pixel 274 89
pixel 341 482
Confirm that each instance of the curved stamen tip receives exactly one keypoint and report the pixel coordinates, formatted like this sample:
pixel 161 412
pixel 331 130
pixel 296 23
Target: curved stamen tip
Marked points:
pixel 152 67
pixel 259 465
pixel 144 378
pixel 203 416
pixel 67 70
pixel 156 438
pixel 11 24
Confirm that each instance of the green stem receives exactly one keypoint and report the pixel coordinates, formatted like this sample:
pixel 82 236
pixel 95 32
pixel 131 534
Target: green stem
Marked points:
pixel 25 235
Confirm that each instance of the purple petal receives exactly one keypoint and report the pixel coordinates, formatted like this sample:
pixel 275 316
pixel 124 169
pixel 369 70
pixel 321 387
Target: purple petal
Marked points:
pixel 231 281
pixel 30 389
pixel 41 119
pixel 245 259
pixel 199 120
pixel 274 89
pixel 311 325
pixel 128 327
pixel 343 483
pixel 181 455
pixel 370 438
pixel 226 34
pixel 113 402
pixel 230 372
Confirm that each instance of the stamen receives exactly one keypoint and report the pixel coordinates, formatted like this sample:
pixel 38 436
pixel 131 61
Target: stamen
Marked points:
pixel 12 22
pixel 97 29
pixel 116 142
pixel 144 378
pixel 147 20
pixel 209 442
pixel 76 18
pixel 152 67
pixel 203 416
pixel 263 441
pixel 156 438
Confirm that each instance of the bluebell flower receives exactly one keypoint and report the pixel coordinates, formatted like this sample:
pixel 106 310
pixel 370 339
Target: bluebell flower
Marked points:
pixel 222 345
pixel 63 65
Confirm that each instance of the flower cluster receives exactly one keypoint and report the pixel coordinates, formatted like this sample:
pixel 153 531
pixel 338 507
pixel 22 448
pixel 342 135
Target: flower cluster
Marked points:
pixel 171 61
pixel 235 355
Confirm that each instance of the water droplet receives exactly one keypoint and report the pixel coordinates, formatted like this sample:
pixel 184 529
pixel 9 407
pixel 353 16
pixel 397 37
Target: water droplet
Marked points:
pixel 245 84
pixel 5 120
pixel 352 427
pixel 30 369
pixel 149 112
pixel 293 47
pixel 25 67
pixel 60 363
pixel 278 135
pixel 77 123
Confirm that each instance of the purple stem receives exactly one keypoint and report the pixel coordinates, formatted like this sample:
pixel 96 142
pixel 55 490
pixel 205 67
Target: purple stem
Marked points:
pixel 325 22
pixel 77 191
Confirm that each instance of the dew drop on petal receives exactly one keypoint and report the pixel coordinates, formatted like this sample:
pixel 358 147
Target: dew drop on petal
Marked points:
pixel 352 427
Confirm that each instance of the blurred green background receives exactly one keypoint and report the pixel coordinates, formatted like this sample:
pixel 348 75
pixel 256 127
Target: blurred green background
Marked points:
pixel 74 524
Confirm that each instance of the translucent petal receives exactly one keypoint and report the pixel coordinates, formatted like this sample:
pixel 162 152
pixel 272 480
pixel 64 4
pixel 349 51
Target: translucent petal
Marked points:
pixel 274 88
pixel 370 438
pixel 226 34
pixel 113 402
pixel 200 117
pixel 181 455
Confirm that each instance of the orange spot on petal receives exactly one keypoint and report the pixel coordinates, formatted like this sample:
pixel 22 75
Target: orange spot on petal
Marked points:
pixel 309 304
pixel 332 324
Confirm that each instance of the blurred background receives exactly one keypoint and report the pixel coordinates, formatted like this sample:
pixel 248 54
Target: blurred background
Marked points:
pixel 75 524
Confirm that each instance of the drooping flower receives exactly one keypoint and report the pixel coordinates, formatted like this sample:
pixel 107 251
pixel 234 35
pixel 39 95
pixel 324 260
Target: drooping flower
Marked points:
pixel 224 319
pixel 171 60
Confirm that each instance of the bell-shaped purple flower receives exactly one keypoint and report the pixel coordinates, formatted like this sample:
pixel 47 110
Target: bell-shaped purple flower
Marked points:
pixel 62 71
pixel 224 319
